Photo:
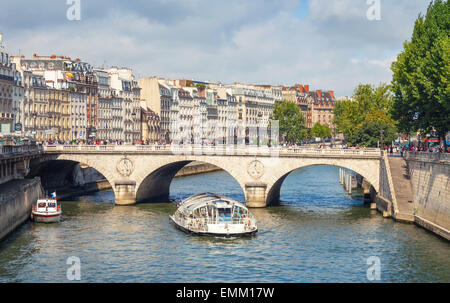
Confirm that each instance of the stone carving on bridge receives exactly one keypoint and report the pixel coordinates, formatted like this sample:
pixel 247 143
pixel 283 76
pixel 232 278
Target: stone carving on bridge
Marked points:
pixel 255 169
pixel 125 167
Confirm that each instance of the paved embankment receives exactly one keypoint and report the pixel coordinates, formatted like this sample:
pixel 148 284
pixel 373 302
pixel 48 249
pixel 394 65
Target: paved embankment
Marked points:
pixel 403 189
pixel 16 200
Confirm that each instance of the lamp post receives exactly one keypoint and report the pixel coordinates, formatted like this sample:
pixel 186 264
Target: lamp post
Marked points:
pixel 381 138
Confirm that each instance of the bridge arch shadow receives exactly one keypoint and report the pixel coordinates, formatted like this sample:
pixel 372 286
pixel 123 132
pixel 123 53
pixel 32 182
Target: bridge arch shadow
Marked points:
pixel 155 187
pixel 68 177
pixel 273 194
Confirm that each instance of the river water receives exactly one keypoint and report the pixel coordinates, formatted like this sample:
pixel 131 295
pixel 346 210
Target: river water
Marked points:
pixel 318 234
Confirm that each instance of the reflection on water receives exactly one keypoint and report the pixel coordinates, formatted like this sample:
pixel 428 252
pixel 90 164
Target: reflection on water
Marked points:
pixel 318 234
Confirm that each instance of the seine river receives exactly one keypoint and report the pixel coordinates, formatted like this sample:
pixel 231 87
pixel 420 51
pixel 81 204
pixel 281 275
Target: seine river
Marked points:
pixel 318 234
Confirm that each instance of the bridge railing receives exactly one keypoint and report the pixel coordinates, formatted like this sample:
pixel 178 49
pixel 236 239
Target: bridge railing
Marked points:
pixel 340 151
pixel 428 157
pixel 8 150
pixel 214 150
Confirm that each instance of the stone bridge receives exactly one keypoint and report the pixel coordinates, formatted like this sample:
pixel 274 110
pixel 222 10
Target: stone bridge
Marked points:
pixel 140 173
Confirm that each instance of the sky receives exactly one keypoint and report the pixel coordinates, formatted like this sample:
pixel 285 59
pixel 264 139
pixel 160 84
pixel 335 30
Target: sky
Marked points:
pixel 328 44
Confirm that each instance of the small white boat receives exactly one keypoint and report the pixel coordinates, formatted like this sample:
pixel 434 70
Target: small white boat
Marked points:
pixel 214 215
pixel 46 211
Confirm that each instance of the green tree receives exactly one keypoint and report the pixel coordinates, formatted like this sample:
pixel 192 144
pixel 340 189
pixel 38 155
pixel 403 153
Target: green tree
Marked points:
pixel 369 133
pixel 421 84
pixel 348 114
pixel 291 122
pixel 365 133
pixel 200 85
pixel 320 131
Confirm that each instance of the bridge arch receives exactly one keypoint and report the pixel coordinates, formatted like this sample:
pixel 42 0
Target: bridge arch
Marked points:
pixel 369 170
pixel 56 169
pixel 154 183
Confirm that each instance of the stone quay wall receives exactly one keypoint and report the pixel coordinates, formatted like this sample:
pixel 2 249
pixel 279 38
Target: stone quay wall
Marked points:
pixel 430 179
pixel 16 201
pixel 385 197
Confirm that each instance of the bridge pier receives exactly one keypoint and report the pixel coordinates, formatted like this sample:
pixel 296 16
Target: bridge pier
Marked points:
pixel 255 195
pixel 125 192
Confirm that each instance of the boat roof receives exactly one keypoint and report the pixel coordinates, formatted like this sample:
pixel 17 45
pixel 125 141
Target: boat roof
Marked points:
pixel 46 200
pixel 198 200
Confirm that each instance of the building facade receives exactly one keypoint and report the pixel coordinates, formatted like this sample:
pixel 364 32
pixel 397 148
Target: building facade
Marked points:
pixel 150 124
pixel 7 88
pixel 126 87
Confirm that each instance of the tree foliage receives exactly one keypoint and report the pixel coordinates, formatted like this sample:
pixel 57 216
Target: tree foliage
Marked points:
pixel 291 122
pixel 367 99
pixel 421 84
pixel 370 107
pixel 376 128
pixel 320 130
pixel 370 132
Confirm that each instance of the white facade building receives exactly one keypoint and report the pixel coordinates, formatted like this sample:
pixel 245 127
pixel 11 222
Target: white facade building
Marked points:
pixel 7 84
pixel 126 87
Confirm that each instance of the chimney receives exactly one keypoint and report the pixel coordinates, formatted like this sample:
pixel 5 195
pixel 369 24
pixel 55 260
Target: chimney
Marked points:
pixel 332 94
pixel 319 93
pixel 307 89
pixel 300 87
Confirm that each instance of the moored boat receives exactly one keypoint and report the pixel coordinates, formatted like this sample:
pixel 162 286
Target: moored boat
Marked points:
pixel 46 210
pixel 214 215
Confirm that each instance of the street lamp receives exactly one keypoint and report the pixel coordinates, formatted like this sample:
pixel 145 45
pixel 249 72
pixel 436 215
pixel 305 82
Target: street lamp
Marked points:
pixel 381 138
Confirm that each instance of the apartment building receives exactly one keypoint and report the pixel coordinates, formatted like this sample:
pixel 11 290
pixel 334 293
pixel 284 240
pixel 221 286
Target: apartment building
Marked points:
pixel 161 97
pixel 7 84
pixel 126 87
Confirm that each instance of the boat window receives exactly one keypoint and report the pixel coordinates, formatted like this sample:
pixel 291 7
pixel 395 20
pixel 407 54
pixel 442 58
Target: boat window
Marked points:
pixel 42 204
pixel 239 212
pixel 224 214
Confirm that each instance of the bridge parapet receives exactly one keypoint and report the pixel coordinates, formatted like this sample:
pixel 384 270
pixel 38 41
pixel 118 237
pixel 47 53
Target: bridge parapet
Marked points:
pixel 15 160
pixel 9 150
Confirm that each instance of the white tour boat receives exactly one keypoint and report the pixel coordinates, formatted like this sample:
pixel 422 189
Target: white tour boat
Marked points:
pixel 214 215
pixel 46 210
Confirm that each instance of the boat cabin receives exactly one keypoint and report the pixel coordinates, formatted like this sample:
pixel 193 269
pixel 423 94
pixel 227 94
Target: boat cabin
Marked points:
pixel 214 209
pixel 46 205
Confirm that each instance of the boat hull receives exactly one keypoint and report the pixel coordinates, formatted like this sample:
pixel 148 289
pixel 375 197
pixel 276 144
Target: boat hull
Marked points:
pixel 46 218
pixel 212 234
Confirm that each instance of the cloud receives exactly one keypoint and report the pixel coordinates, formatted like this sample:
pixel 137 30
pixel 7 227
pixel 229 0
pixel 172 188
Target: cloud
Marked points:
pixel 334 46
